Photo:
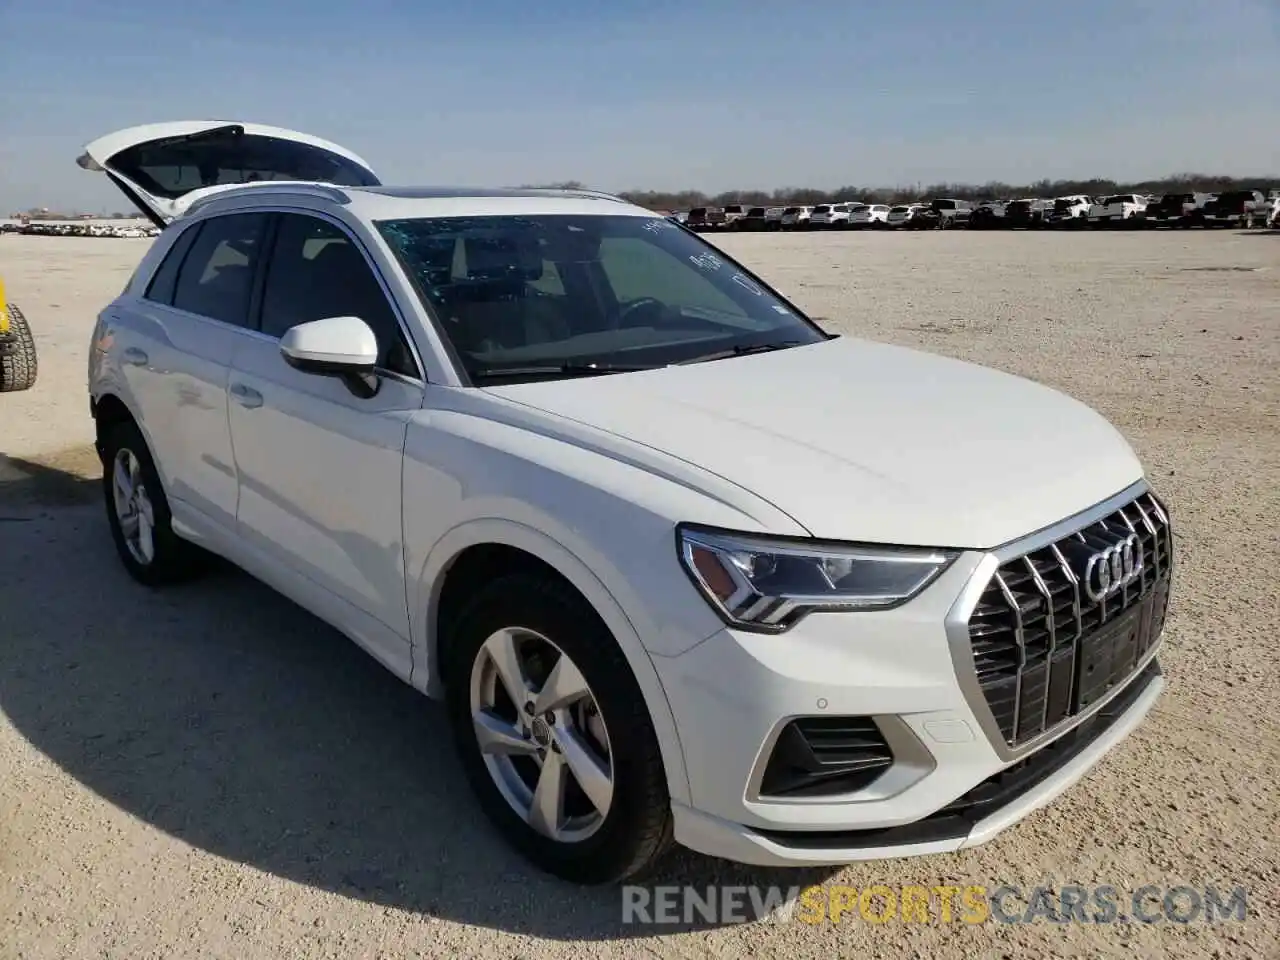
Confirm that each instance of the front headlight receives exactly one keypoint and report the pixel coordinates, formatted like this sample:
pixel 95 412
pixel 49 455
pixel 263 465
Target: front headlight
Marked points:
pixel 767 585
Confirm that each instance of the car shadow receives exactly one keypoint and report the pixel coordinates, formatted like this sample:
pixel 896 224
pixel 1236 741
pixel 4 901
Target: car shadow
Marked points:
pixel 231 719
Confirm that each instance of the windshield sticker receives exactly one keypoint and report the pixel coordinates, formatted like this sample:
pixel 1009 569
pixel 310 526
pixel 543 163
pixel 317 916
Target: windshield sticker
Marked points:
pixel 706 261
pixel 659 223
pixel 748 284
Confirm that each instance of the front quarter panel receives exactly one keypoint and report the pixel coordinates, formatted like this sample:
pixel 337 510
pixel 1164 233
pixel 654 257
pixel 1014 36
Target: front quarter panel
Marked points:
pixel 606 525
pixel 614 519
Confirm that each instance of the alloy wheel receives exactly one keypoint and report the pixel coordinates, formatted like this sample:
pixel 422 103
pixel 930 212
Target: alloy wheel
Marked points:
pixel 133 506
pixel 541 734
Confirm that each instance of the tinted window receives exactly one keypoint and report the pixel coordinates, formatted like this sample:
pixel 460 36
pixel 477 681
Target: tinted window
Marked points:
pixel 316 272
pixel 170 168
pixel 549 290
pixel 217 274
pixel 165 278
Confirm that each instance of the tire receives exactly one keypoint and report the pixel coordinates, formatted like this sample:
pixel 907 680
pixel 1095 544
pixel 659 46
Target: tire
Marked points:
pixel 169 558
pixel 17 354
pixel 635 831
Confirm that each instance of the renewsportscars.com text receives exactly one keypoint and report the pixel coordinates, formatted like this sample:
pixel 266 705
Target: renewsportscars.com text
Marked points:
pixel 881 904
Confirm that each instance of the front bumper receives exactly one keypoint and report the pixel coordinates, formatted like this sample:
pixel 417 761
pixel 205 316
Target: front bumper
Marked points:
pixel 976 817
pixel 953 781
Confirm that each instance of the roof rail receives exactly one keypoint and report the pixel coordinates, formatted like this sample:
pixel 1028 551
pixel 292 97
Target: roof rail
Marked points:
pixel 575 192
pixel 292 188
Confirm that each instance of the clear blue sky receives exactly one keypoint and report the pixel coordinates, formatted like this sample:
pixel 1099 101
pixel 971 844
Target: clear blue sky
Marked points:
pixel 656 93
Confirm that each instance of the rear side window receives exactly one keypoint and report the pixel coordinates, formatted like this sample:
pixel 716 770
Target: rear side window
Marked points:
pixel 217 275
pixel 165 279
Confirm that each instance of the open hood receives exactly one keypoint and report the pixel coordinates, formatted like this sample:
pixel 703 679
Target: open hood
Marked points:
pixel 165 167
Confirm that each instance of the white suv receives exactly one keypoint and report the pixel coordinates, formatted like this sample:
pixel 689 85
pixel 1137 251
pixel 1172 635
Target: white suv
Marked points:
pixel 681 565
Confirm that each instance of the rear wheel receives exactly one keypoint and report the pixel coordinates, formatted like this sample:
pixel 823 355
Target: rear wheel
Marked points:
pixel 138 512
pixel 553 733
pixel 17 354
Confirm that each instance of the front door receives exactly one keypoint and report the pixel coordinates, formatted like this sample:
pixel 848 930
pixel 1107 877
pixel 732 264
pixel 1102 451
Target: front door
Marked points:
pixel 319 468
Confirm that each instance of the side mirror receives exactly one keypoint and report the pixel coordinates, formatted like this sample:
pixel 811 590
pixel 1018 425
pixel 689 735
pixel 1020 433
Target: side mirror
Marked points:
pixel 341 347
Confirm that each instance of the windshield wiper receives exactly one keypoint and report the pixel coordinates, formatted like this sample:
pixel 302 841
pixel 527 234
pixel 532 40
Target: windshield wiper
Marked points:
pixel 560 369
pixel 742 351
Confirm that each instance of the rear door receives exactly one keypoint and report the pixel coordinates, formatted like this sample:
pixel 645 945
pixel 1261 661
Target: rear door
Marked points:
pixel 175 341
pixel 165 167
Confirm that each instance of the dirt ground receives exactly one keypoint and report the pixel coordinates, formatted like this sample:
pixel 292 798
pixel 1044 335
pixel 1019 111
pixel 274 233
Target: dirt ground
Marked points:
pixel 211 772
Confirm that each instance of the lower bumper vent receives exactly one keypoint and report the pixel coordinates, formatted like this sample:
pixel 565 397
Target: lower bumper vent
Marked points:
pixel 825 756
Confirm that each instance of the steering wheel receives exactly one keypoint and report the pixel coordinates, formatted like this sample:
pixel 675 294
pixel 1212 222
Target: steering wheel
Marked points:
pixel 638 304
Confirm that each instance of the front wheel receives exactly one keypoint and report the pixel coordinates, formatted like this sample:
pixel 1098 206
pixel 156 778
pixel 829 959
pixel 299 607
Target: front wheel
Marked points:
pixel 553 733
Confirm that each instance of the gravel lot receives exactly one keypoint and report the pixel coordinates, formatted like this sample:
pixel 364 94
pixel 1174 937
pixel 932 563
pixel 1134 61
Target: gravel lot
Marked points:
pixel 212 772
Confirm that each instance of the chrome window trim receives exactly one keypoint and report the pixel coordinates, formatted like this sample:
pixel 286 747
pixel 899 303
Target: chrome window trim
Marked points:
pixel 209 212
pixel 957 626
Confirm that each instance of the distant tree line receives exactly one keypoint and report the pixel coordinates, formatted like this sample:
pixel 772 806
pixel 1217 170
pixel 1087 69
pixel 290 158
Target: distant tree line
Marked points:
pixel 1180 183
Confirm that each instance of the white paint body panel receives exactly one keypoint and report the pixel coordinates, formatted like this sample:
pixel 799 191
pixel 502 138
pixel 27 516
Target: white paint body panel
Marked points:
pixel 893 445
pixel 356 508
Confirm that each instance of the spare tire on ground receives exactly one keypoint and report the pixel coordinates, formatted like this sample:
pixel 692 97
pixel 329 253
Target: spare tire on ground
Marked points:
pixel 17 351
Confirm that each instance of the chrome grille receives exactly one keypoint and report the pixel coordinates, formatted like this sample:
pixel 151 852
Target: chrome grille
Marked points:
pixel 1043 650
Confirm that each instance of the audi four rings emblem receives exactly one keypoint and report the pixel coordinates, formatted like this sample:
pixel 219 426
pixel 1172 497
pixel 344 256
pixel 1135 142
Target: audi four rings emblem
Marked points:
pixel 1111 570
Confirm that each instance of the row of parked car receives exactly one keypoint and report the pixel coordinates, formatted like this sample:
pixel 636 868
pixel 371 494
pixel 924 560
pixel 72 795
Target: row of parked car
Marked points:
pixel 1236 208
pixel 41 228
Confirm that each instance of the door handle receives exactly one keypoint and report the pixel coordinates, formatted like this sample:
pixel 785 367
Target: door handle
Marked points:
pixel 135 357
pixel 246 396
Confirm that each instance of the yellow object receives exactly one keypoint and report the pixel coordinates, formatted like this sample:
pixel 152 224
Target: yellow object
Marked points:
pixel 4 311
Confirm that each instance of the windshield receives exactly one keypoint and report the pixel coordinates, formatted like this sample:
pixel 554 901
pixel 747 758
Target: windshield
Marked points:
pixel 546 291
pixel 1019 206
pixel 173 168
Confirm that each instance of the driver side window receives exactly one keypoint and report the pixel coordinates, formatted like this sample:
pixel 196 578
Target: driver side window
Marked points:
pixel 635 268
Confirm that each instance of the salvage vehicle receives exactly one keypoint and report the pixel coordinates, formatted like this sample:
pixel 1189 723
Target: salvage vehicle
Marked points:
pixel 1069 211
pixel 902 215
pixel 1233 208
pixel 732 214
pixel 796 218
pixel 1116 210
pixel 864 215
pixel 833 216
pixel 1029 213
pixel 754 219
pixel 17 348
pixel 1172 210
pixel 943 214
pixel 673 563
pixel 988 215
